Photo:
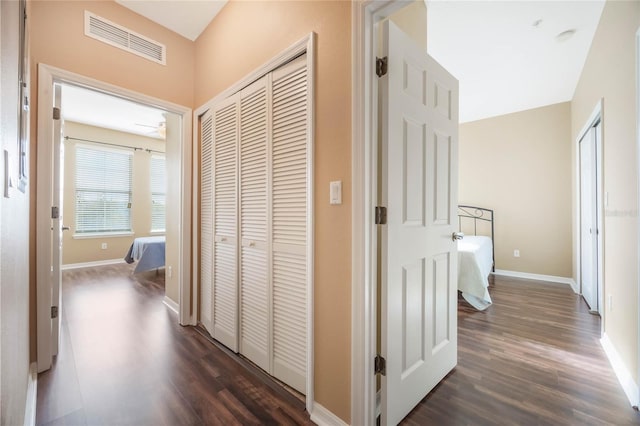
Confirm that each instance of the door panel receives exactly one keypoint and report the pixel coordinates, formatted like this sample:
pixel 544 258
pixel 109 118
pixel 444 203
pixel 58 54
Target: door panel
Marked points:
pixel 225 288
pixel 206 222
pixel 588 220
pixel 419 260
pixel 57 224
pixel 255 309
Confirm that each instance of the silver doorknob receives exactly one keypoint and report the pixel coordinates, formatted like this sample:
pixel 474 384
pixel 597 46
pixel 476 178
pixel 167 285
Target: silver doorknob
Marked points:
pixel 457 236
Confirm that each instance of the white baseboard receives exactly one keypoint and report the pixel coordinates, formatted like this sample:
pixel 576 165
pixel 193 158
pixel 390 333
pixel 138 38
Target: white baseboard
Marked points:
pixel 92 264
pixel 32 396
pixel 323 417
pixel 539 277
pixel 171 304
pixel 625 378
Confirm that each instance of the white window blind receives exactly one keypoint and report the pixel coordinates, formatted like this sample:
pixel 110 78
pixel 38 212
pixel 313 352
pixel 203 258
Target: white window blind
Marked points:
pixel 103 190
pixel 158 193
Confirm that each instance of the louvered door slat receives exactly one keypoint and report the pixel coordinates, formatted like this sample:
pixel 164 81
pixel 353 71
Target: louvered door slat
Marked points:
pixel 254 283
pixel 289 223
pixel 206 222
pixel 225 288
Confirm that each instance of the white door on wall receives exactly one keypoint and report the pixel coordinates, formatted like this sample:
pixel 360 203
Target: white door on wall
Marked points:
pixel 206 221
pixel 419 102
pixel 57 226
pixel 589 219
pixel 255 308
pixel 225 227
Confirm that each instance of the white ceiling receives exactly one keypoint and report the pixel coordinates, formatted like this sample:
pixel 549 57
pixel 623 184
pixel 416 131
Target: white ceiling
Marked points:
pixel 503 62
pixel 185 17
pixel 100 110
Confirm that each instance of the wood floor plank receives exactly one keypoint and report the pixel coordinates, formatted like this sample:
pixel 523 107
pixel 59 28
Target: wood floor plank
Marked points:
pixel 532 358
pixel 125 360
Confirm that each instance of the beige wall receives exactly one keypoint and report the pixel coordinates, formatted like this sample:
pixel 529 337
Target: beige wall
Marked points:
pixel 610 74
pixel 57 39
pixel 412 19
pixel 244 36
pixel 80 250
pixel 14 236
pixel 519 166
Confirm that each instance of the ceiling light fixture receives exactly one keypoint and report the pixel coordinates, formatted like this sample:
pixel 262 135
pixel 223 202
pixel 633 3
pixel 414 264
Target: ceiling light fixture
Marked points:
pixel 565 35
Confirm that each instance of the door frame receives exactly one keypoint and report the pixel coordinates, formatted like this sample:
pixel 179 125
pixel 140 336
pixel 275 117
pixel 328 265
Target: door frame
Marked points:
pixel 638 165
pixel 596 116
pixel 47 77
pixel 365 14
pixel 305 45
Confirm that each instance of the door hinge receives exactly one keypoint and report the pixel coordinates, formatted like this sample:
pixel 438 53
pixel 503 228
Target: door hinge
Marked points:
pixel 381 66
pixel 55 213
pixel 56 113
pixel 54 312
pixel 381 215
pixel 380 365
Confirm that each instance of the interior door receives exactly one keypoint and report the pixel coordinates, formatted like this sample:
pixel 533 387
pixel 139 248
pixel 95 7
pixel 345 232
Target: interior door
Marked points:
pixel 588 220
pixel 419 102
pixel 57 225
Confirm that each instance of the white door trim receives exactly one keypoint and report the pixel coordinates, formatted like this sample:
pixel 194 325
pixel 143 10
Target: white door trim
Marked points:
pixel 596 115
pixel 364 99
pixel 305 44
pixel 638 165
pixel 47 76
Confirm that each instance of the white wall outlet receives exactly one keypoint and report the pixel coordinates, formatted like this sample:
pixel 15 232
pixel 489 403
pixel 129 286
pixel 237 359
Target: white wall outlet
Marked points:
pixel 516 253
pixel 335 192
pixel 610 300
pixel 103 246
pixel 169 271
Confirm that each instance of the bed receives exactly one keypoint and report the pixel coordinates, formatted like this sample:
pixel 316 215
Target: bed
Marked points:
pixel 148 252
pixel 476 255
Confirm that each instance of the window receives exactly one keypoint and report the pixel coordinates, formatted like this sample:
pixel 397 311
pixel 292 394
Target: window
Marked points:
pixel 158 193
pixel 103 190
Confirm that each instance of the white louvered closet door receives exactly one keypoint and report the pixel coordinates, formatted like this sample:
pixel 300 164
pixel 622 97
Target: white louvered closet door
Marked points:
pixel 255 310
pixel 206 221
pixel 290 233
pixel 225 213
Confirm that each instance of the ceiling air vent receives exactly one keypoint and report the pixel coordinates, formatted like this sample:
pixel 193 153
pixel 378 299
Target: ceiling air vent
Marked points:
pixel 123 38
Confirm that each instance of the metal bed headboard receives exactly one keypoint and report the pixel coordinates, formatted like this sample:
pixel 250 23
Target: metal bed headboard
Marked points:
pixel 475 214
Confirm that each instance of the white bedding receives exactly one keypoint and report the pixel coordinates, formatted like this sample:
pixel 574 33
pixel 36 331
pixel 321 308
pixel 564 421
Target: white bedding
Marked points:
pixel 475 260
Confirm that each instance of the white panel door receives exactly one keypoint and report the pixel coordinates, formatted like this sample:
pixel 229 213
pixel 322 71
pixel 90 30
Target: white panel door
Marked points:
pixel 419 258
pixel 225 213
pixel 206 221
pixel 255 306
pixel 57 226
pixel 289 225
pixel 588 220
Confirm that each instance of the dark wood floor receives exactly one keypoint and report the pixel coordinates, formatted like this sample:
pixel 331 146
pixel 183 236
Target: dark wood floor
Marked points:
pixel 533 358
pixel 125 360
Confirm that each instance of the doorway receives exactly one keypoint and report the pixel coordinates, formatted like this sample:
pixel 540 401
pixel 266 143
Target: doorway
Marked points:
pixel 590 214
pixel 178 214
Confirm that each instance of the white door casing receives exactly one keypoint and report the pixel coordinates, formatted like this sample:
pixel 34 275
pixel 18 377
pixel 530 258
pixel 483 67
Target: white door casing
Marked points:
pixel 419 257
pixel 48 77
pixel 588 220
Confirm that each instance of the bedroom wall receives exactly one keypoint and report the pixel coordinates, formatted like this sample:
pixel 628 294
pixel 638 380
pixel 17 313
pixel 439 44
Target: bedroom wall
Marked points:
pixel 14 236
pixel 518 165
pixel 80 250
pixel 610 74
pixel 246 35
pixel 57 39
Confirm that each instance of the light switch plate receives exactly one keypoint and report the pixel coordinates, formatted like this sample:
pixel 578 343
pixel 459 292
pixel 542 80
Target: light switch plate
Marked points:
pixel 335 192
pixel 7 175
